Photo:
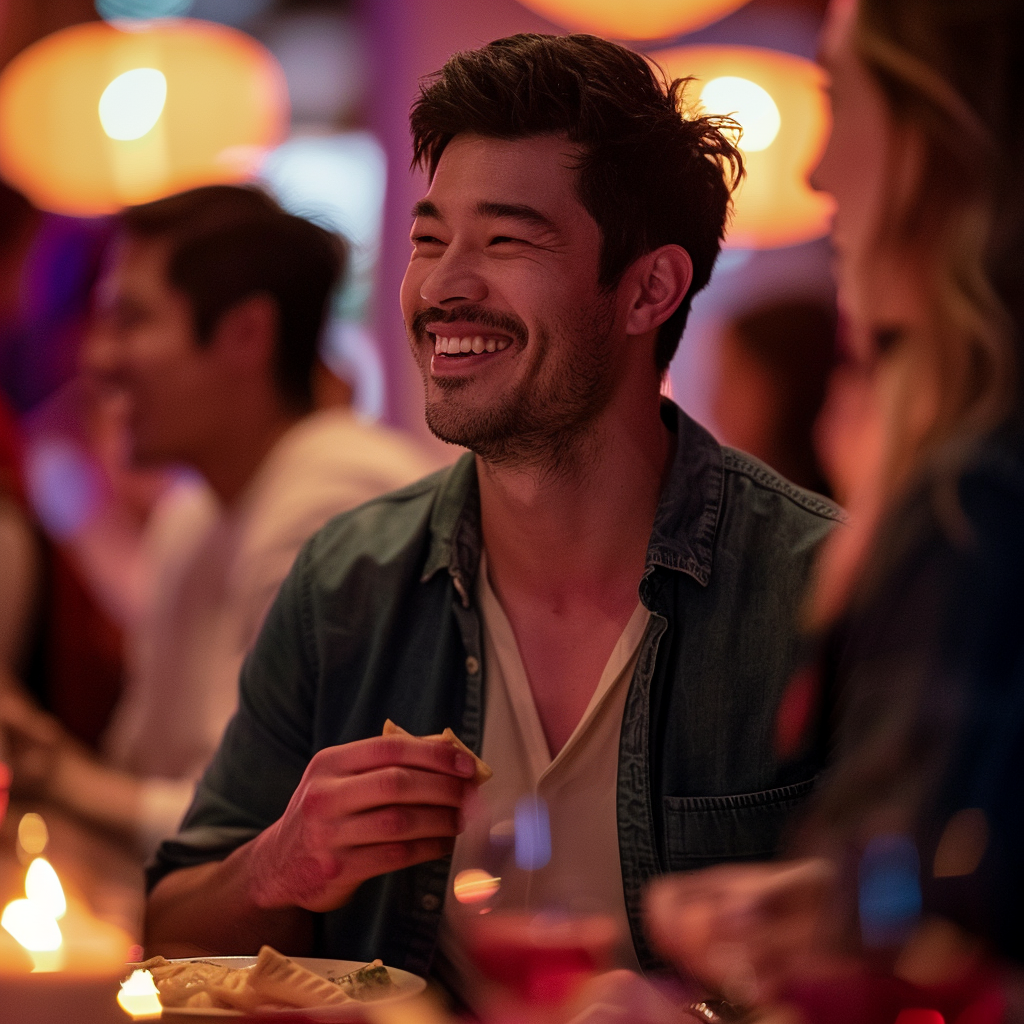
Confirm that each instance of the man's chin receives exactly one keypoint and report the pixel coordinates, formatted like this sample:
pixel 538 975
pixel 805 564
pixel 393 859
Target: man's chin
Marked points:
pixel 479 432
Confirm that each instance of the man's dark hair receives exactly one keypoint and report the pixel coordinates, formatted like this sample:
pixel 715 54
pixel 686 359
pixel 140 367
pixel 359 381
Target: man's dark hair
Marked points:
pixel 228 243
pixel 649 174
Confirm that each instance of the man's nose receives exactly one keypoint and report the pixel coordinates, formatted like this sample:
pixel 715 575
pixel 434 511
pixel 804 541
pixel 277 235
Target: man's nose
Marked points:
pixel 455 278
pixel 100 355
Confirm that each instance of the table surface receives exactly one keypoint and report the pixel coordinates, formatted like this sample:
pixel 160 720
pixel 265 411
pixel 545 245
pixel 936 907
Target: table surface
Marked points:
pixel 94 866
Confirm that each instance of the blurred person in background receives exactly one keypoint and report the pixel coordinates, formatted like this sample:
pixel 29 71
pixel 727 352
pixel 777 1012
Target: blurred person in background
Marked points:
pixel 774 363
pixel 59 642
pixel 914 845
pixel 207 323
pixel 20 552
pixel 20 555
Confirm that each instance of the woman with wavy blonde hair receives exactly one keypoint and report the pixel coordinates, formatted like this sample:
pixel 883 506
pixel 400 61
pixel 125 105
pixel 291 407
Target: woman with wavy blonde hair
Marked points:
pixel 913 847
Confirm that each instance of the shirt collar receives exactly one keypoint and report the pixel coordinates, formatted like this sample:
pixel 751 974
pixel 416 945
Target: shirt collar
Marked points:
pixel 686 520
pixel 455 539
pixel 684 524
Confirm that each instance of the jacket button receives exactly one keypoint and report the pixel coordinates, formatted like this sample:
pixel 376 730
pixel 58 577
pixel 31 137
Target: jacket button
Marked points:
pixel 430 902
pixel 472 665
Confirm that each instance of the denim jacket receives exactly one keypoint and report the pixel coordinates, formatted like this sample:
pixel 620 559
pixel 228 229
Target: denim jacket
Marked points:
pixel 377 619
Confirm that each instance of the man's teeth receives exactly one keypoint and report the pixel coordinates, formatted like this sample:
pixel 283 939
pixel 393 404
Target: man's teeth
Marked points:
pixel 463 346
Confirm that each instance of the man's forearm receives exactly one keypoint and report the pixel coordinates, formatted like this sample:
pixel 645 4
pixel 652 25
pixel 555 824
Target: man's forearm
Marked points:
pixel 209 910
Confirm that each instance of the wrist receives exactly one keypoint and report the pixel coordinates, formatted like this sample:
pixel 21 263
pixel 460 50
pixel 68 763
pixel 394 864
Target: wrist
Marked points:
pixel 261 882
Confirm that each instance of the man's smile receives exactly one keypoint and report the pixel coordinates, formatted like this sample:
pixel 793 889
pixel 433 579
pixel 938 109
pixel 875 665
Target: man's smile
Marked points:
pixel 465 346
pixel 460 344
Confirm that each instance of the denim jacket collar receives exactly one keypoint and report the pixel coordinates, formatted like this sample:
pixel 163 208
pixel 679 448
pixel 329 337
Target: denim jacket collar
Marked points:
pixel 684 523
pixel 686 520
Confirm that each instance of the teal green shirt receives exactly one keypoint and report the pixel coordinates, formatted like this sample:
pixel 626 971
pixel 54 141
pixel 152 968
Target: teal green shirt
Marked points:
pixel 377 620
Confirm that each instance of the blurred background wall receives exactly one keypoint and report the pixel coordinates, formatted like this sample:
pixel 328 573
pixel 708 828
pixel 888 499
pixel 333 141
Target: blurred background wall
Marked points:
pixel 352 68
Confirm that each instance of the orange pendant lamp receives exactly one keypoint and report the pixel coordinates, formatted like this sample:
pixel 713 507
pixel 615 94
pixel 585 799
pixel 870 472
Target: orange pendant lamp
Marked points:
pixel 633 19
pixel 779 99
pixel 98 116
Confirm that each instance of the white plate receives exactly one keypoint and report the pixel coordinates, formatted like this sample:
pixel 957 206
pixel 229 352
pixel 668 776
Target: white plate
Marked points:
pixel 408 985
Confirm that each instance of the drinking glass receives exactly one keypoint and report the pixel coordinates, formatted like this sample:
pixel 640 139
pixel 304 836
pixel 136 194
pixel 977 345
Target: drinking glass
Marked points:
pixel 530 933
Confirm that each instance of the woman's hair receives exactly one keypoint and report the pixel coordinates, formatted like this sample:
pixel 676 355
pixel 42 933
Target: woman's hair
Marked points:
pixel 952 73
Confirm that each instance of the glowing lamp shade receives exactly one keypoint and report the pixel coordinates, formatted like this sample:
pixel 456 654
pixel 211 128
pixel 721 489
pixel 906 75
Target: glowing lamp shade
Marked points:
pixel 637 19
pixel 780 102
pixel 98 116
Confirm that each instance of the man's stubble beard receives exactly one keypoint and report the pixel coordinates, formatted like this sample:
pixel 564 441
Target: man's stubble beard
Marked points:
pixel 546 423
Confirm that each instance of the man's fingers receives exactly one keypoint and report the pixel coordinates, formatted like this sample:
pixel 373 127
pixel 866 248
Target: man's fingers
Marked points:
pixel 796 886
pixel 329 799
pixel 399 824
pixel 32 724
pixel 384 751
pixel 369 861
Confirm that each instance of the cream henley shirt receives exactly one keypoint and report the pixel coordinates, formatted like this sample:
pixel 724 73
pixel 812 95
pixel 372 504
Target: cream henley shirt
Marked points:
pixel 578 785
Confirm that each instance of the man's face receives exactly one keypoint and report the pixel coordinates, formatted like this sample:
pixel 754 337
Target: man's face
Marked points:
pixel 516 342
pixel 143 349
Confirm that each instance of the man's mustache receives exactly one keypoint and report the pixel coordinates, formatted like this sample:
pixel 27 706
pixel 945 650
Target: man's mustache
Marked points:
pixel 488 318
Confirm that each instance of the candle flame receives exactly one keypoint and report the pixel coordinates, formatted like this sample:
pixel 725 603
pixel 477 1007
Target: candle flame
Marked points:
pixel 33 920
pixel 42 887
pixel 139 996
pixel 36 931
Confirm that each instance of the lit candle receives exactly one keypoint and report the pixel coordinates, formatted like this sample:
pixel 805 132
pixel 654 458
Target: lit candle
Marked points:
pixel 57 961
pixel 37 932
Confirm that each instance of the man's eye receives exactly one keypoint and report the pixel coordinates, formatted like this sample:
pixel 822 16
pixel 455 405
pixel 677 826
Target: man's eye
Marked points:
pixel 426 240
pixel 501 239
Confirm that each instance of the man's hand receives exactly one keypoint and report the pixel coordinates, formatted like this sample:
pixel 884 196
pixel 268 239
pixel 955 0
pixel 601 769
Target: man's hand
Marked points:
pixel 745 929
pixel 362 809
pixel 34 740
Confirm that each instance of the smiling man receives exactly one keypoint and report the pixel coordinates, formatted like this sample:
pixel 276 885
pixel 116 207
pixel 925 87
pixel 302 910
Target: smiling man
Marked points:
pixel 599 599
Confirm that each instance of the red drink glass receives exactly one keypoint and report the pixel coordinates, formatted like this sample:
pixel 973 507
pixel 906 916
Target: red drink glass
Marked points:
pixel 541 958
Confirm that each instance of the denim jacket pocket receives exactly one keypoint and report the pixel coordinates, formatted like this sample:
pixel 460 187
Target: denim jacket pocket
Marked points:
pixel 705 830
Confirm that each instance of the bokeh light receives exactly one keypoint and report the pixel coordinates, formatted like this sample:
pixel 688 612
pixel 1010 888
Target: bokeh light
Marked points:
pixel 64 486
pixel 221 105
pixel 33 834
pixel 474 885
pixel 110 10
pixel 748 104
pixel 889 890
pixel 132 104
pixel 774 205
pixel 533 833
pixel 640 19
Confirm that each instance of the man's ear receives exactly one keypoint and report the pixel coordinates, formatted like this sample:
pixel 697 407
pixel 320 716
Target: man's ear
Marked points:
pixel 660 281
pixel 246 333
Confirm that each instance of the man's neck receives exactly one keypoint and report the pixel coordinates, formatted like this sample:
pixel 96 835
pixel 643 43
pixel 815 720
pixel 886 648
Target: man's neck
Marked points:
pixel 237 456
pixel 557 534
